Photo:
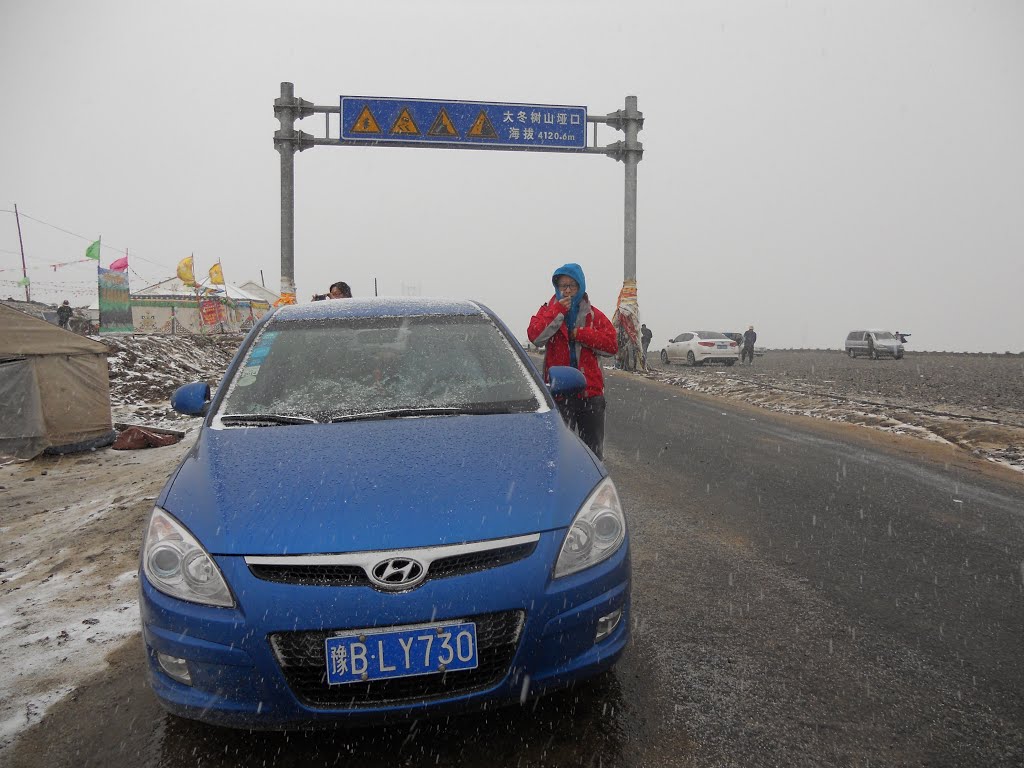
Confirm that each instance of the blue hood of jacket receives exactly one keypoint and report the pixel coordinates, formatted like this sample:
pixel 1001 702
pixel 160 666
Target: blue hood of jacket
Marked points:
pixel 386 484
pixel 575 271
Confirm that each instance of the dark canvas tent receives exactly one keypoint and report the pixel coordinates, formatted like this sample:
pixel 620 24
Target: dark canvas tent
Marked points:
pixel 54 389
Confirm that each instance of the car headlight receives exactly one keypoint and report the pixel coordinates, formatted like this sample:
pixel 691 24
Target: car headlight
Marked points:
pixel 177 565
pixel 598 529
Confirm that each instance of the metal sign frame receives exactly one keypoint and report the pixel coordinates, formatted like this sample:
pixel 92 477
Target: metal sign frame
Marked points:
pixel 288 141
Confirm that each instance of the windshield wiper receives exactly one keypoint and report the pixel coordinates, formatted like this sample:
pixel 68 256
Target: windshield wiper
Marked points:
pixel 476 409
pixel 264 419
pixel 398 413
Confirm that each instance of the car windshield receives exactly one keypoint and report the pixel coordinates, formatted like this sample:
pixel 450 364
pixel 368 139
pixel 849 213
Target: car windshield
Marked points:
pixel 711 335
pixel 379 367
pixel 884 336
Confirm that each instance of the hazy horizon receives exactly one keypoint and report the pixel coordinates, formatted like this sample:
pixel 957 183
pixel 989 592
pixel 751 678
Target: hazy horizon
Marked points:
pixel 809 167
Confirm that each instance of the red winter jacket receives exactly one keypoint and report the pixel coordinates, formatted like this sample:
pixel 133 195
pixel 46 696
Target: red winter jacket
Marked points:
pixel 595 335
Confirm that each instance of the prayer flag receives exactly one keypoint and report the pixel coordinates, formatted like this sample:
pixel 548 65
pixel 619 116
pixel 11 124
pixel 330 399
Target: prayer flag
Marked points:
pixel 216 274
pixel 185 273
pixel 120 265
pixel 93 251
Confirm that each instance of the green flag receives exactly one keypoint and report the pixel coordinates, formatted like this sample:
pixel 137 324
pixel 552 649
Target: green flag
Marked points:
pixel 93 251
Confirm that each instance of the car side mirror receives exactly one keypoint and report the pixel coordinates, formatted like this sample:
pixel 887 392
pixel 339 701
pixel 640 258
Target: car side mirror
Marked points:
pixel 192 399
pixel 565 380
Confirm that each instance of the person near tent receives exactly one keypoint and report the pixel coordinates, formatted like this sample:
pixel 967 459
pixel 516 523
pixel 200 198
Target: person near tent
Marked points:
pixel 64 313
pixel 574 332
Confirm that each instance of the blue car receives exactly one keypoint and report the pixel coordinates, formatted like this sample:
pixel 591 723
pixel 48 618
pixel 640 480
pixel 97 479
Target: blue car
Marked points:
pixel 383 516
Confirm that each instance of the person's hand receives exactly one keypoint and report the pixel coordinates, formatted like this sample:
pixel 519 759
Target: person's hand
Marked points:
pixel 565 301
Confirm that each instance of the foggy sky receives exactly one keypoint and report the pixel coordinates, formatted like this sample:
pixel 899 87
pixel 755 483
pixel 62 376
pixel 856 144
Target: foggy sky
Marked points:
pixel 809 167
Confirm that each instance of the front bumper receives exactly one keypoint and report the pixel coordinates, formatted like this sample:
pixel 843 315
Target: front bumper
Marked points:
pixel 237 678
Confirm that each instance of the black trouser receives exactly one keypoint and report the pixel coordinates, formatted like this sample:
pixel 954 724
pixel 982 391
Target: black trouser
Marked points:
pixel 748 351
pixel 585 416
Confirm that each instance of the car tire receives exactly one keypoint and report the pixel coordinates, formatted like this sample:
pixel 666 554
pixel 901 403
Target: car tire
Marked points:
pixel 899 355
pixel 664 357
pixel 690 359
pixel 851 353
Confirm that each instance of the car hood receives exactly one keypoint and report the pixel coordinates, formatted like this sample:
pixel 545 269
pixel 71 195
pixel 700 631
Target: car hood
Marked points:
pixel 369 485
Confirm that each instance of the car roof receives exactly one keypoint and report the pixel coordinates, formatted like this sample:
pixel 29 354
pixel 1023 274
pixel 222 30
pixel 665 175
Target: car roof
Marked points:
pixel 377 306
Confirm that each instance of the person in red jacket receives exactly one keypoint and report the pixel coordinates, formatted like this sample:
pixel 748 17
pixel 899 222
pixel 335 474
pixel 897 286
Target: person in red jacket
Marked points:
pixel 573 332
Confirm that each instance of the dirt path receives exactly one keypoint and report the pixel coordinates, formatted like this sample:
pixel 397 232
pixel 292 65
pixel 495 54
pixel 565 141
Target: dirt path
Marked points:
pixel 70 533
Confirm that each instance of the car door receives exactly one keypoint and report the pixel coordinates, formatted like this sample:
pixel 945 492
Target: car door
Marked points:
pixel 670 349
pixel 680 346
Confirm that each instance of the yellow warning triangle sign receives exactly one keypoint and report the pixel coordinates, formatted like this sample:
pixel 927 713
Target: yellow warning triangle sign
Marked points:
pixel 366 122
pixel 443 126
pixel 482 128
pixel 405 124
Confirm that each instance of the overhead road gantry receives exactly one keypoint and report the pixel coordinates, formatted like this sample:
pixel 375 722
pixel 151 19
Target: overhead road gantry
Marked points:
pixel 391 122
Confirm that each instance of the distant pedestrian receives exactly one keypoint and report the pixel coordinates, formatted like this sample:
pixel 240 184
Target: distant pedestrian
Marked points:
pixel 645 337
pixel 573 332
pixel 64 313
pixel 340 290
pixel 749 339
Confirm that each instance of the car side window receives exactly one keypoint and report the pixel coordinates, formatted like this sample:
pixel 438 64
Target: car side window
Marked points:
pixel 686 337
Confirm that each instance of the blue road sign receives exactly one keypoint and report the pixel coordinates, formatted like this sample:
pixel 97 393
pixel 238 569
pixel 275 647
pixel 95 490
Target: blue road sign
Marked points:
pixel 463 123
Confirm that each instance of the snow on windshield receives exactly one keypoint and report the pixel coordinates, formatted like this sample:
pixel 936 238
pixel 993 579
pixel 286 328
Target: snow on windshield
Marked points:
pixel 333 367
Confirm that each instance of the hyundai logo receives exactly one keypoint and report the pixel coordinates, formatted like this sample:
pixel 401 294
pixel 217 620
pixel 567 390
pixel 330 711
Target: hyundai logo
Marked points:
pixel 397 573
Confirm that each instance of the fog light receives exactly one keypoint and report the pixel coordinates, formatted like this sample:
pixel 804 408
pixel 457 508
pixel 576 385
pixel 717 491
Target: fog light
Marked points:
pixel 607 624
pixel 175 667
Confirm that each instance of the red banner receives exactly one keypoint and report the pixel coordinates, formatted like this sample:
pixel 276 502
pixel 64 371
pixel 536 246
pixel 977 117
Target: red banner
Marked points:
pixel 210 312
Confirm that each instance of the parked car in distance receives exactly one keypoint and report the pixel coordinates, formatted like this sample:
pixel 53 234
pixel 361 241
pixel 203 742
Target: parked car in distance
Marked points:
pixel 384 516
pixel 697 347
pixel 873 344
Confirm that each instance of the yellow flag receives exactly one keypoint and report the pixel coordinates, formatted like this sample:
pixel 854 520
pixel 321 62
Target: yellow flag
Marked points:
pixel 185 273
pixel 216 274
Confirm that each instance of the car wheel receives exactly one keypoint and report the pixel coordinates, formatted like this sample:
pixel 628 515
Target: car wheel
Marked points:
pixel 690 359
pixel 851 353
pixel 899 355
pixel 664 357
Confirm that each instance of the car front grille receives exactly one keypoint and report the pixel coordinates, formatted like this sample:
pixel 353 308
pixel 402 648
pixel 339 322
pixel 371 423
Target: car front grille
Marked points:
pixel 342 575
pixel 302 658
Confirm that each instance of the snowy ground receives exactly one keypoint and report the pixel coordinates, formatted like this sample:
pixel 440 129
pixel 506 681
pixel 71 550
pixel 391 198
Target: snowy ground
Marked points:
pixel 972 401
pixel 71 527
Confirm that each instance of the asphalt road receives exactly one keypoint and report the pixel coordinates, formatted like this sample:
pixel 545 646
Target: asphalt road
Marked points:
pixel 804 594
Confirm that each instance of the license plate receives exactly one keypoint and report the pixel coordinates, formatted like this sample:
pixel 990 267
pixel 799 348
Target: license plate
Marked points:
pixel 360 656
pixel 722 346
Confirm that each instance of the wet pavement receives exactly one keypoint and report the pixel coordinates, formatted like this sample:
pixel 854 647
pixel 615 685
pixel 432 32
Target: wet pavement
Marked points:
pixel 805 594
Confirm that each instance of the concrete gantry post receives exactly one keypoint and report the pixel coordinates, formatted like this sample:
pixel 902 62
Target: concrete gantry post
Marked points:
pixel 633 152
pixel 627 315
pixel 288 141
